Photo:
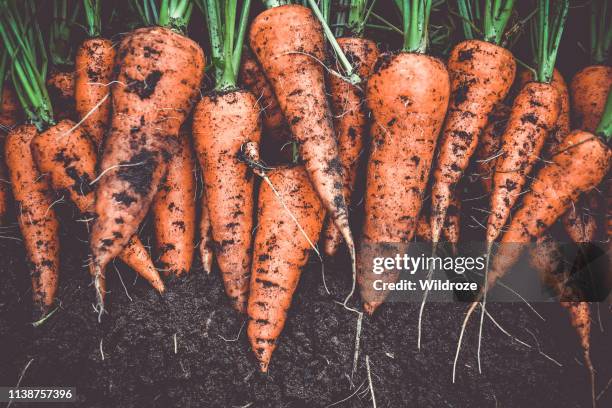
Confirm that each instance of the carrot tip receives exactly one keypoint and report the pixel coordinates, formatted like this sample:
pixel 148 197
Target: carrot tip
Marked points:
pixel 370 307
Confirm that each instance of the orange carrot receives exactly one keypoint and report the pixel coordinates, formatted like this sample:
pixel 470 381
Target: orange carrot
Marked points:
pixel 288 43
pixel 94 64
pixel 589 90
pixel 159 74
pixel 36 216
pixel 174 212
pixel 9 113
pixel 534 114
pixel 222 123
pixel 280 252
pixel 68 157
pixel 423 229
pixel 481 75
pixel 350 122
pixel 276 140
pixel 408 96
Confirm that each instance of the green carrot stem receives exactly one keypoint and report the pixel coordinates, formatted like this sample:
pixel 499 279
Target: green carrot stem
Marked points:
pixel 175 14
pixel 16 31
pixel 93 9
pixel 601 31
pixel 550 24
pixel 415 17
pixel 61 49
pixel 604 129
pixel 351 75
pixel 275 3
pixel 489 22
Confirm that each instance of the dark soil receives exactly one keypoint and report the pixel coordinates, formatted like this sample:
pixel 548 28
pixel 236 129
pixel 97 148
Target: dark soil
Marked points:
pixel 130 360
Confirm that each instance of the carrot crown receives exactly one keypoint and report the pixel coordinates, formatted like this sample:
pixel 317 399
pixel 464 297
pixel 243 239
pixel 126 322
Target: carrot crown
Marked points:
pixel 93 9
pixel 547 30
pixel 601 31
pixel 173 14
pixel 61 49
pixel 24 45
pixel 415 18
pixel 226 39
pixel 488 22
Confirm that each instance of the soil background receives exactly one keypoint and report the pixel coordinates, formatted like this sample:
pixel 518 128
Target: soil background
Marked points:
pixel 189 349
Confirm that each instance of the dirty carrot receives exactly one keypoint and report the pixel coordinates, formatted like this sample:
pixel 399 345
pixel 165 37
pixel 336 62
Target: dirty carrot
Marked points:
pixel 481 72
pixel 534 114
pixel 159 72
pixel 174 211
pixel 223 121
pixel 66 154
pixel 290 220
pixel 206 242
pixel 93 69
pixel 350 116
pixel 490 144
pixel 8 118
pixel 408 95
pixel 288 42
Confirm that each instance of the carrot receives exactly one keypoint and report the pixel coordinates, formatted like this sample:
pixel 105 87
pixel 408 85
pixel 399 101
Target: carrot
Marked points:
pixel 206 243
pixel 276 140
pixel 452 223
pixel 36 216
pixel 93 73
pixel 490 145
pixel 288 43
pixel 481 75
pixel 222 123
pixel 68 157
pixel 408 95
pixel 159 72
pixel 350 122
pixel 280 251
pixel 581 163
pixel 174 212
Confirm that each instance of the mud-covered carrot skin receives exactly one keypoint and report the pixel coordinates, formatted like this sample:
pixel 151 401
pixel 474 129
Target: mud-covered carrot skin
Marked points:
pixel 589 90
pixel 289 44
pixel 94 64
pixel 66 154
pixel 350 118
pixel 158 79
pixel 280 252
pixel 206 242
pixel 174 212
pixel 408 95
pixel 534 114
pixel 423 229
pixel 61 91
pixel 452 224
pixel 490 145
pixel 222 123
pixel 581 164
pixel 9 114
pixel 481 75
pixel 35 215
pixel 276 138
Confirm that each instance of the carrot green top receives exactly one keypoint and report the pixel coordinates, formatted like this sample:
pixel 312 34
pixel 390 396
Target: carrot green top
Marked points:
pixel 546 36
pixel 24 44
pixel 415 18
pixel 93 9
pixel 351 16
pixel 486 21
pixel 61 49
pixel 174 14
pixel 226 39
pixel 601 31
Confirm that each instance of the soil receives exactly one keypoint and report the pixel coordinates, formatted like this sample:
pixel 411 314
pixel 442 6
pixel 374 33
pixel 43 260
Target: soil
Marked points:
pixel 189 348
